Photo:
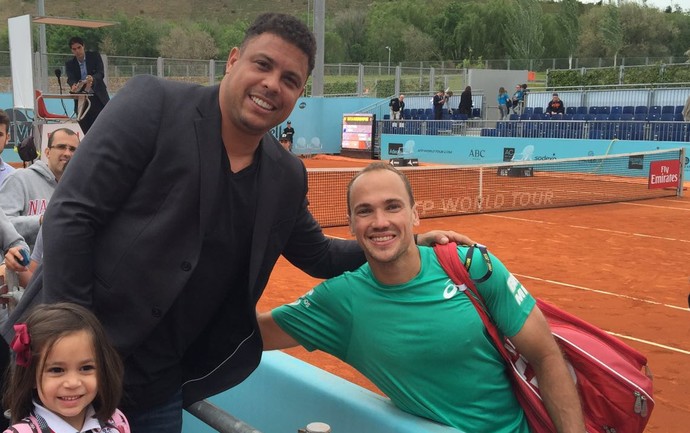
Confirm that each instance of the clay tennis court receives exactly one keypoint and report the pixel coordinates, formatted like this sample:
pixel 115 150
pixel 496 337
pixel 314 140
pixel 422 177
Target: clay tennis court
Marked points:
pixel 624 267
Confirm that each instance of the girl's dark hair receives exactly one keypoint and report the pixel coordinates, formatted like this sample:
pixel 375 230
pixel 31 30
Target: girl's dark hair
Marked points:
pixel 46 325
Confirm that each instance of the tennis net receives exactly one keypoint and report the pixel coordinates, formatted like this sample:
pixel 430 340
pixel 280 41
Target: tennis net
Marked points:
pixel 458 190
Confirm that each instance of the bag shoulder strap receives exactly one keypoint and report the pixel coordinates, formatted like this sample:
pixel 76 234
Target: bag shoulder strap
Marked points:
pixel 119 421
pixel 27 425
pixel 450 262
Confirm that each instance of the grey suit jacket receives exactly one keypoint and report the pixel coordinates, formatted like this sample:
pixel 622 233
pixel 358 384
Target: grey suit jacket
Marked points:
pixel 123 230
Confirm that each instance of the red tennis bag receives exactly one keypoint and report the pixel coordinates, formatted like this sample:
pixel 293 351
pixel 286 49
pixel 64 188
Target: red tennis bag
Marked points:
pixel 616 394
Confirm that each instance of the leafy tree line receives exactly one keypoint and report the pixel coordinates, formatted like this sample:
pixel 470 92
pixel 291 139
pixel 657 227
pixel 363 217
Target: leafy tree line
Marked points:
pixel 464 31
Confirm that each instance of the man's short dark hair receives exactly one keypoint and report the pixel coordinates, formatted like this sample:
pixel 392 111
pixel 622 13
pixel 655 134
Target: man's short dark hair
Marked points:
pixel 67 131
pixel 5 120
pixel 288 28
pixel 76 40
pixel 374 166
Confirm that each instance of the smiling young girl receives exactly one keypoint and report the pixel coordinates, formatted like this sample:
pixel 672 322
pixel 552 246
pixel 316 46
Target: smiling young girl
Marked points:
pixel 67 376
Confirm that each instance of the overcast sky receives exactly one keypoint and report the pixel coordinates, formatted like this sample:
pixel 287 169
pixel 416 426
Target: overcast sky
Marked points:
pixel 660 4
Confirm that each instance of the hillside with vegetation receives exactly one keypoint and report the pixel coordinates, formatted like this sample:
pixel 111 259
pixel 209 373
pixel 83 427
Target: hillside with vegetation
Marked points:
pixel 464 32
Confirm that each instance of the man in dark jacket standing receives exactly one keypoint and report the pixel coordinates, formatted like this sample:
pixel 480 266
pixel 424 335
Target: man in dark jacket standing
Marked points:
pixel 397 106
pixel 85 73
pixel 174 213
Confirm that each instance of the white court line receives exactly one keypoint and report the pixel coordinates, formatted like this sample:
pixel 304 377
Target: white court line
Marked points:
pixel 627 337
pixel 603 292
pixel 642 235
pixel 656 206
pixel 651 343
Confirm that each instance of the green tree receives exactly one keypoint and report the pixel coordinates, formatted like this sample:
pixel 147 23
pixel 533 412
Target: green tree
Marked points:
pixel 137 37
pixel 225 36
pixel 568 20
pixel 350 26
pixel 4 39
pixel 335 51
pixel 188 42
pixel 647 31
pixel 680 42
pixel 526 41
pixel 591 35
pixel 57 38
pixel 612 32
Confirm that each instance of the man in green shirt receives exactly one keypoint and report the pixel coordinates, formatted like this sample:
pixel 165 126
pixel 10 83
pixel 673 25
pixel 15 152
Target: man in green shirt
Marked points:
pixel 401 321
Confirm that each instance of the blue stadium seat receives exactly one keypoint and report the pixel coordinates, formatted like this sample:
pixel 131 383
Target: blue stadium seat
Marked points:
pixel 678 117
pixel 568 116
pixel 653 117
pixel 533 130
pixel 637 131
pixel 596 134
pixel 679 109
pixel 579 116
pixel 538 110
pixel 667 117
pixel 674 132
pixel 601 116
pixel 386 117
pixel 476 112
pixel 592 110
pixel 640 117
pixel 627 117
pixel 641 109
pixel 615 116
pixel 655 110
pixel 576 129
pixel 525 116
pixel 581 110
pixel 616 109
pixel 667 109
pixel 504 129
pixel 604 110
pixel 570 110
pixel 528 110
pixel 514 116
pixel 628 109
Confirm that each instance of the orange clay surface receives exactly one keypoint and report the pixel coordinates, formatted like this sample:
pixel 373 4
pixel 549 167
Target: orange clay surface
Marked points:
pixel 624 267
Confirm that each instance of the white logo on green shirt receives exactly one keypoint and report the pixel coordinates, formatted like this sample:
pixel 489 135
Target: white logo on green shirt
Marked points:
pixel 452 289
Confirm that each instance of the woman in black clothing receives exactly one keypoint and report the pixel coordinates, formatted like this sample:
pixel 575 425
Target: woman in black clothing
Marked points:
pixel 465 106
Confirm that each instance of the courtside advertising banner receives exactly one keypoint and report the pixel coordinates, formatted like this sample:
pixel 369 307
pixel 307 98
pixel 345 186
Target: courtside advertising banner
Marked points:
pixel 664 174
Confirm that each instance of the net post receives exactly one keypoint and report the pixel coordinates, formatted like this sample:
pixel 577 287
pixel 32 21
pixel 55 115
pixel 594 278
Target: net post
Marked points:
pixel 679 193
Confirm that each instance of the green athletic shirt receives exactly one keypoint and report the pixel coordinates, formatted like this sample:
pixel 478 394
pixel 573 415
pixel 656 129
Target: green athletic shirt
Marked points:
pixel 422 343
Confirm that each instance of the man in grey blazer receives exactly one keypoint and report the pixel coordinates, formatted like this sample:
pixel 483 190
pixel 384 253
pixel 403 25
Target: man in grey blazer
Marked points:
pixel 172 215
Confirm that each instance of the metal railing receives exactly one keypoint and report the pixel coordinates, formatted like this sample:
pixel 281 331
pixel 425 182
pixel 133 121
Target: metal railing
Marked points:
pixel 218 419
pixel 374 78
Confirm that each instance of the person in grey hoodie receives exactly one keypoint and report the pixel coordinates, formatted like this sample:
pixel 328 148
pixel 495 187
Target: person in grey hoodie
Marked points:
pixel 25 194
